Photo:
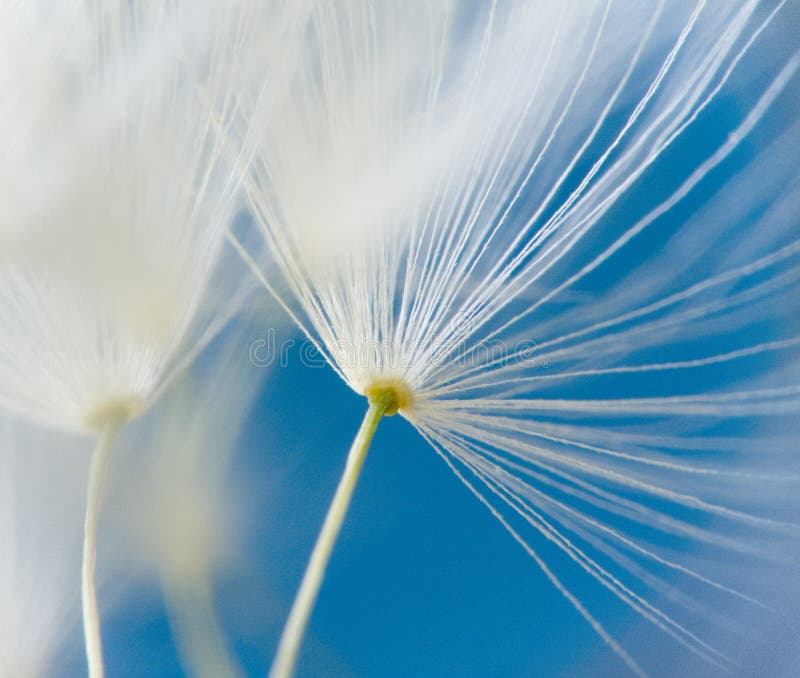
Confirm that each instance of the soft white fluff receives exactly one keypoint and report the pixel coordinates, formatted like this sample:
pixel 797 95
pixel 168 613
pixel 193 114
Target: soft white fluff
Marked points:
pixel 119 190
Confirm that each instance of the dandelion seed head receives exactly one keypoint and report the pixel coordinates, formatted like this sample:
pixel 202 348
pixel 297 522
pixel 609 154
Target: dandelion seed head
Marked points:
pixel 556 290
pixel 108 288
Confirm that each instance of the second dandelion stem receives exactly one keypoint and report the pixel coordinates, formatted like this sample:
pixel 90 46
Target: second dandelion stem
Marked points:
pixel 286 658
pixel 94 495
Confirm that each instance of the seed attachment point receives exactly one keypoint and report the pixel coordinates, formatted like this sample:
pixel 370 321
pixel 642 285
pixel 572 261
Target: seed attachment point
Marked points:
pixel 392 395
pixel 113 411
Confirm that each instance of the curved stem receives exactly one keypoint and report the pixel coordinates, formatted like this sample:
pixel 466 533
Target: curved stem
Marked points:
pixel 94 495
pixel 286 658
pixel 196 627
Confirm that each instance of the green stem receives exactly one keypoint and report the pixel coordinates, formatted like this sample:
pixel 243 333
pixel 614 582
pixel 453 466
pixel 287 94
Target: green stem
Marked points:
pixel 286 658
pixel 94 495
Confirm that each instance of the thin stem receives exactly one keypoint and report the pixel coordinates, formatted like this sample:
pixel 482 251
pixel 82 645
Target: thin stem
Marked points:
pixel 94 495
pixel 285 660
pixel 197 629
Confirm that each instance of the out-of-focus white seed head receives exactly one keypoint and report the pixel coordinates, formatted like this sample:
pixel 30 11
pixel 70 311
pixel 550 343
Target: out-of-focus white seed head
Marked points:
pixel 105 286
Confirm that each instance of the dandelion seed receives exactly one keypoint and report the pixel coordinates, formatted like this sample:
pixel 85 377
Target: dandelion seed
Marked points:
pixel 521 244
pixel 105 288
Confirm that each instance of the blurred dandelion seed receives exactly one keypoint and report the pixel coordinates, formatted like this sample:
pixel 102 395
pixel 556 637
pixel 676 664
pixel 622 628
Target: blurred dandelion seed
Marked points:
pixel 421 194
pixel 106 284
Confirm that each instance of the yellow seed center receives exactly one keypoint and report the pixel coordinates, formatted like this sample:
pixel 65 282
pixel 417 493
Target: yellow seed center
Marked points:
pixel 391 395
pixel 115 410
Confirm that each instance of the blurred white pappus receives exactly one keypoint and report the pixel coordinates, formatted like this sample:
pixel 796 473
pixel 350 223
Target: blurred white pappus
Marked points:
pixel 118 194
pixel 109 275
pixel 35 80
pixel 42 486
pixel 176 508
pixel 473 170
